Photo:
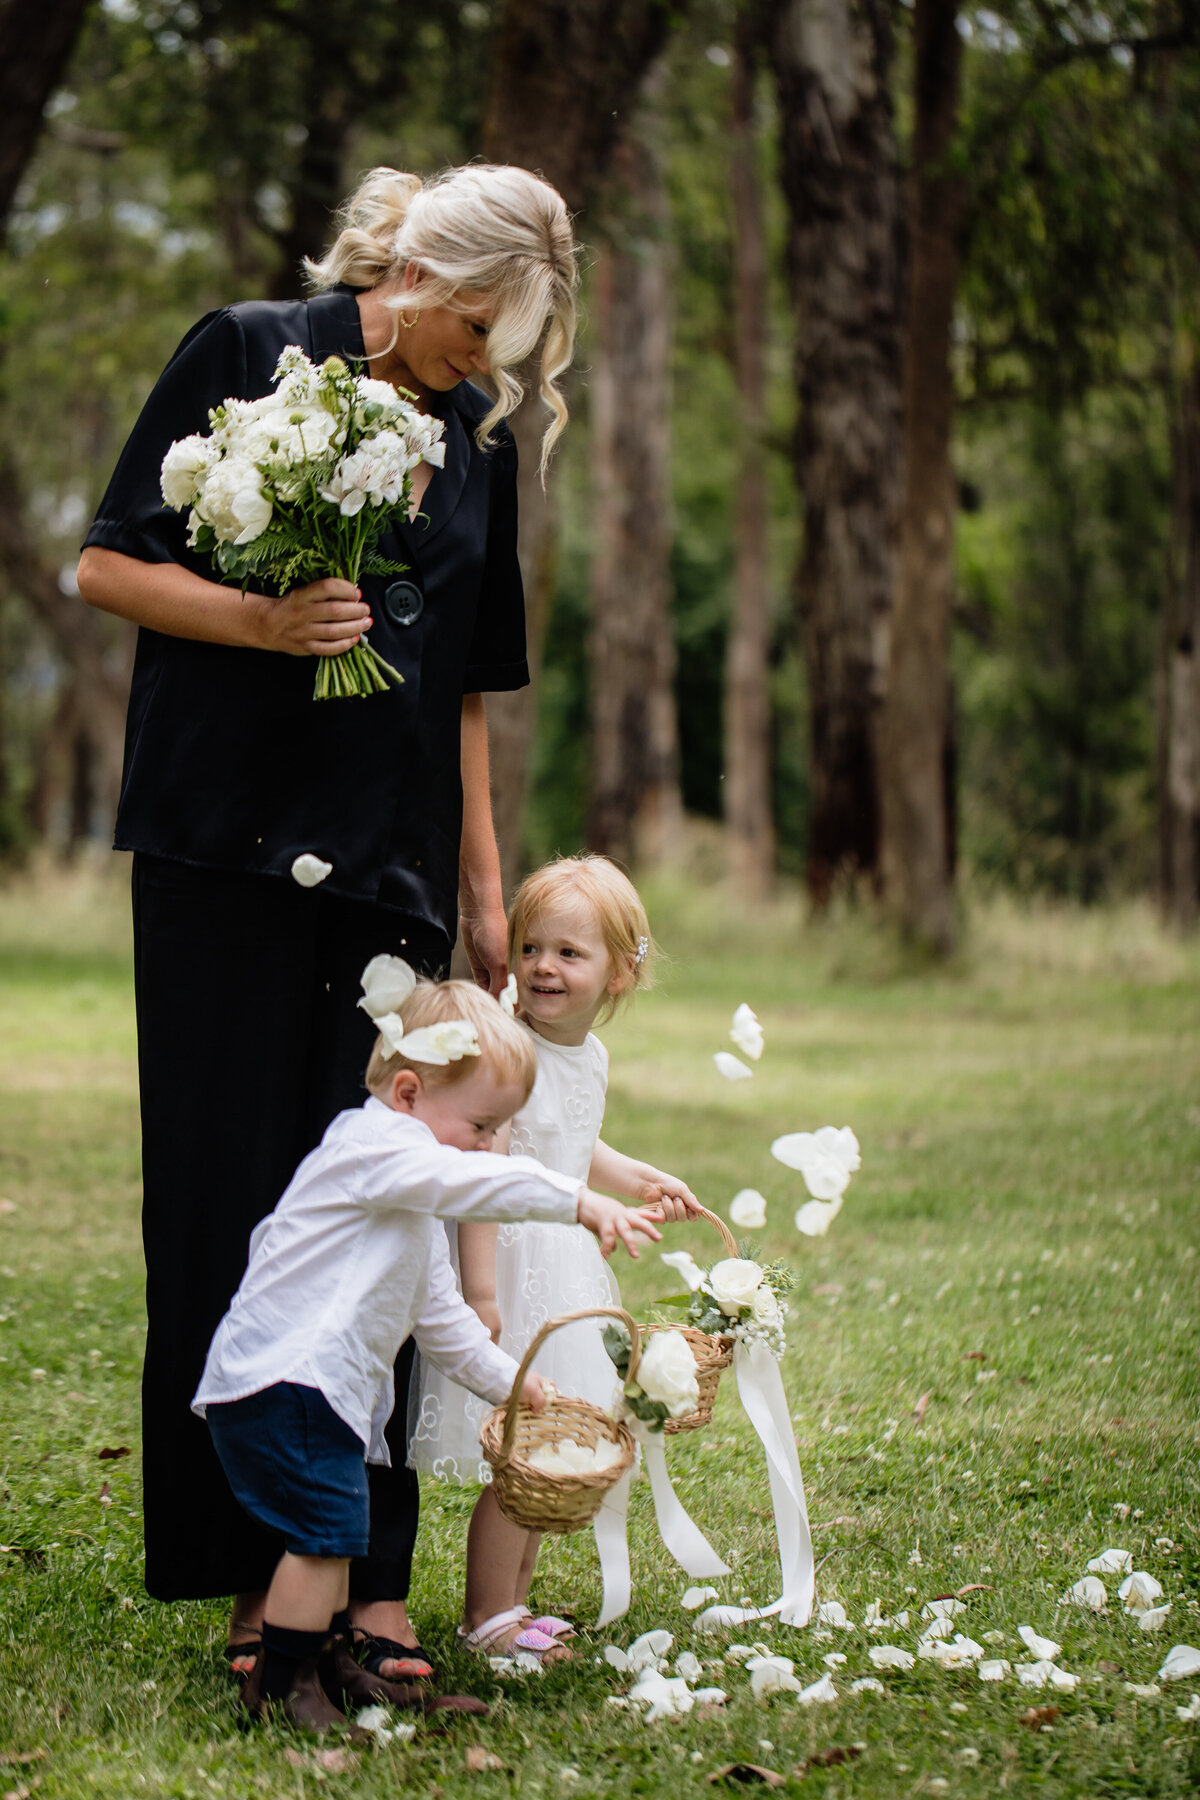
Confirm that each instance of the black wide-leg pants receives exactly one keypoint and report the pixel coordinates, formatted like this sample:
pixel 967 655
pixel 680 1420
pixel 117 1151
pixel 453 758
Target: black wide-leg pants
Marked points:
pixel 250 1040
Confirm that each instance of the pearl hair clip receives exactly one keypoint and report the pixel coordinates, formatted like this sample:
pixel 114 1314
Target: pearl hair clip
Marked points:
pixel 640 956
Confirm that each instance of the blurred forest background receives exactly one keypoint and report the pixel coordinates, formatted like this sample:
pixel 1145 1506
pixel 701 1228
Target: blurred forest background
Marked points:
pixel 872 557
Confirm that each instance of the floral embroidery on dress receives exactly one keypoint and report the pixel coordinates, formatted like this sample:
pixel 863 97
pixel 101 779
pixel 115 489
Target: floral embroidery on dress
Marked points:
pixel 579 1107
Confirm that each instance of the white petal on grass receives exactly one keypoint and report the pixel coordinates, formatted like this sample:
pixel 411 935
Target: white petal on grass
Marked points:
pixel 739 1653
pixel 694 1597
pixel 309 871
pixel 814 1218
pixel 616 1658
pixel 890 1656
pixel 1182 1662
pixel 1187 1713
pixel 834 1660
pixel 818 1693
pixel 832 1612
pixel 867 1684
pixel 1139 1591
pixel 748 1209
pixel 993 1668
pixel 1144 1690
pixel 772 1675
pixel 689 1666
pixel 1111 1562
pixel 647 1651
pixel 1154 1617
pixel 710 1696
pixel 720 1618
pixel 1044 1649
pixel 1044 1673
pixel 730 1067
pixel 747 1033
pixel 663 1697
pixel 1090 1592
pixel 937 1628
pixel 945 1608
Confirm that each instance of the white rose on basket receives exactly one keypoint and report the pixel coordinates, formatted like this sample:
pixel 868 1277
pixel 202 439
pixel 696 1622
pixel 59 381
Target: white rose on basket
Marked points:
pixel 734 1283
pixel 667 1373
pixel 765 1308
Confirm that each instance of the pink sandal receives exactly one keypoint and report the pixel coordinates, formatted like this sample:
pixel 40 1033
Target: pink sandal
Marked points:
pixel 495 1637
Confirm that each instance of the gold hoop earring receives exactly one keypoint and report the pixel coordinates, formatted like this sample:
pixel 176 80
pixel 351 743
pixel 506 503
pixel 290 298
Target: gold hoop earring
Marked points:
pixel 408 323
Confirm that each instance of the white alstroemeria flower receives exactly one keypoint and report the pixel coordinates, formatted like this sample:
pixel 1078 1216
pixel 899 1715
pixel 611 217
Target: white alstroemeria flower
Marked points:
pixel 993 1668
pixel 377 393
pixel 867 1684
pixel 235 502
pixel 814 1218
pixel 448 1042
pixel 508 999
pixel 686 1265
pixel 1044 1649
pixel 1090 1592
pixel 772 1675
pixel 1182 1661
pixel 733 1283
pixel 1139 1591
pixel 826 1159
pixel 1189 1713
pixel 747 1033
pixel 1111 1562
pixel 818 1693
pixel 423 436
pixel 309 871
pixel 667 1372
pixel 730 1067
pixel 184 469
pixel 694 1597
pixel 748 1210
pixel 1154 1617
pixel 689 1666
pixel 386 982
pixel 890 1656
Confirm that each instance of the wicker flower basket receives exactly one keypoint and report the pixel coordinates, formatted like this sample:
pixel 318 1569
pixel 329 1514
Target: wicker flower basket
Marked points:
pixel 536 1498
pixel 713 1354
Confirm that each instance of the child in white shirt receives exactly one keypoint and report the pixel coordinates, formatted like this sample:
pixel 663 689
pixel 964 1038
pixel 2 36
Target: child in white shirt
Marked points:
pixel 297 1387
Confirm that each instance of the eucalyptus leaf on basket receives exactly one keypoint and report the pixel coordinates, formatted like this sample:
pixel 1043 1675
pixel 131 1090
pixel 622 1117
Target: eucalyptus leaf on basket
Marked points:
pixel 301 485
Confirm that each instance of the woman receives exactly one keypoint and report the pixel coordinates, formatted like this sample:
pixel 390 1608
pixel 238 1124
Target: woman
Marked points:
pixel 232 770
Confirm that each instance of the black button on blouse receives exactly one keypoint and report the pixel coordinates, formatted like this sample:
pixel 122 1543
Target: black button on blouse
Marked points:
pixel 229 762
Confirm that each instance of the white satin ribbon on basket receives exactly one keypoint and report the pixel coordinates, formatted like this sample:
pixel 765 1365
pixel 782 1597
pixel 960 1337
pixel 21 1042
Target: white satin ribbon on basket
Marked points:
pixel 678 1530
pixel 760 1388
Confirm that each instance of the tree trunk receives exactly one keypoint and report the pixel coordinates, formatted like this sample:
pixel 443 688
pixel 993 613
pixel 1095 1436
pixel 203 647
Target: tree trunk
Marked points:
pixel 1178 673
pixel 563 71
pixel 748 822
pixel 636 810
pixel 916 723
pixel 832 63
pixel 34 47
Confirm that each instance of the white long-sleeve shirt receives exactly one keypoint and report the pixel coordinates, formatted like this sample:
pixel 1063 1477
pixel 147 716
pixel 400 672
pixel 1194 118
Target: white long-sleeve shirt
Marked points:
pixel 353 1259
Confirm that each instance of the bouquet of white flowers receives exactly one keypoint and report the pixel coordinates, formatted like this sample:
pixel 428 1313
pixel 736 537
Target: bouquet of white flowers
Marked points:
pixel 666 1383
pixel 301 485
pixel 737 1298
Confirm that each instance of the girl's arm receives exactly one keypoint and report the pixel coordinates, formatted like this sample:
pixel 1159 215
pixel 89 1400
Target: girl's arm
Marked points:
pixel 617 1174
pixel 481 891
pixel 477 1272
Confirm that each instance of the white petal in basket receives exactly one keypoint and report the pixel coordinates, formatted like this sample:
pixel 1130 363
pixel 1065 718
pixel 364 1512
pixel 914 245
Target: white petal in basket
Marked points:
pixel 747 1033
pixel 1139 1591
pixel 748 1210
pixel 1111 1562
pixel 1043 1648
pixel 814 1218
pixel 387 981
pixel 1090 1592
pixel 730 1067
pixel 309 871
pixel 1182 1662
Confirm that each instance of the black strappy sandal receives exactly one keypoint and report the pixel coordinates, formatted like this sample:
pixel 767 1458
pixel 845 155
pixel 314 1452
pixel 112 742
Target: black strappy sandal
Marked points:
pixel 371 1652
pixel 251 1646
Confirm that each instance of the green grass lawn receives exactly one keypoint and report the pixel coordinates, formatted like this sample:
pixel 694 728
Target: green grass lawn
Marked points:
pixel 991 1366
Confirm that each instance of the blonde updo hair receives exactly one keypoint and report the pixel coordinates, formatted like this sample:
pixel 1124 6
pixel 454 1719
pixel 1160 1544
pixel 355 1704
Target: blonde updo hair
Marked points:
pixel 598 888
pixel 483 229
pixel 504 1047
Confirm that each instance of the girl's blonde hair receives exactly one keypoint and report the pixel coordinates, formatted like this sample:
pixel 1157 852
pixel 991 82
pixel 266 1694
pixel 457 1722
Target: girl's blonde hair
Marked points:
pixel 485 229
pixel 597 885
pixel 504 1047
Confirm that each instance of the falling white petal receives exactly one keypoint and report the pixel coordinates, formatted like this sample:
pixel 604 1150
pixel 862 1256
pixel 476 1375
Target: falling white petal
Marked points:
pixel 748 1209
pixel 508 998
pixel 1182 1661
pixel 1090 1592
pixel 387 981
pixel 1111 1562
pixel 814 1218
pixel 825 1173
pixel 841 1142
pixel 747 1033
pixel 693 1597
pixel 309 871
pixel 730 1067
pixel 685 1264
pixel 1139 1591
pixel 1154 1617
pixel 1042 1648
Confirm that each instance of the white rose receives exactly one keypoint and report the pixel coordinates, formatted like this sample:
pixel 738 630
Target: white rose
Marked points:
pixel 734 1283
pixel 234 502
pixel 747 1033
pixel 748 1209
pixel 667 1372
pixel 184 468
pixel 387 981
pixel 765 1306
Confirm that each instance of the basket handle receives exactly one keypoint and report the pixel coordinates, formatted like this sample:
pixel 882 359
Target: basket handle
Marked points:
pixel 727 1237
pixel 587 1312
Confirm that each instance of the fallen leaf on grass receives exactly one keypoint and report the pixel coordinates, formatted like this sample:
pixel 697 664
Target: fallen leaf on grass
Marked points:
pixel 974 1587
pixel 1039 1716
pixel 9 1758
pixel 918 1411
pixel 480 1761
pixel 973 1356
pixel 747 1772
pixel 111 1455
pixel 105 1495
pixel 828 1759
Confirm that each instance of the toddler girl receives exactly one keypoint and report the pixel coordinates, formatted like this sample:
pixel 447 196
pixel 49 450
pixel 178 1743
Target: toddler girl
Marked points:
pixel 578 941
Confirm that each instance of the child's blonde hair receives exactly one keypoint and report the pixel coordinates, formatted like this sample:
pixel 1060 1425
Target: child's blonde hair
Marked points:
pixel 484 229
pixel 504 1047
pixel 595 883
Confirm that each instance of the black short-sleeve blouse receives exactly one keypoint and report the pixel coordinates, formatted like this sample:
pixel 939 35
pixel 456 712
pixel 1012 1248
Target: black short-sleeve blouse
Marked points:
pixel 229 762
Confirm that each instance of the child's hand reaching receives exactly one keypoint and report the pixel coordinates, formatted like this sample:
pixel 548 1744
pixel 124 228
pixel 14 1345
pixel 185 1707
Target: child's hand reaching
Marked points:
pixel 533 1394
pixel 610 1220
pixel 665 1198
